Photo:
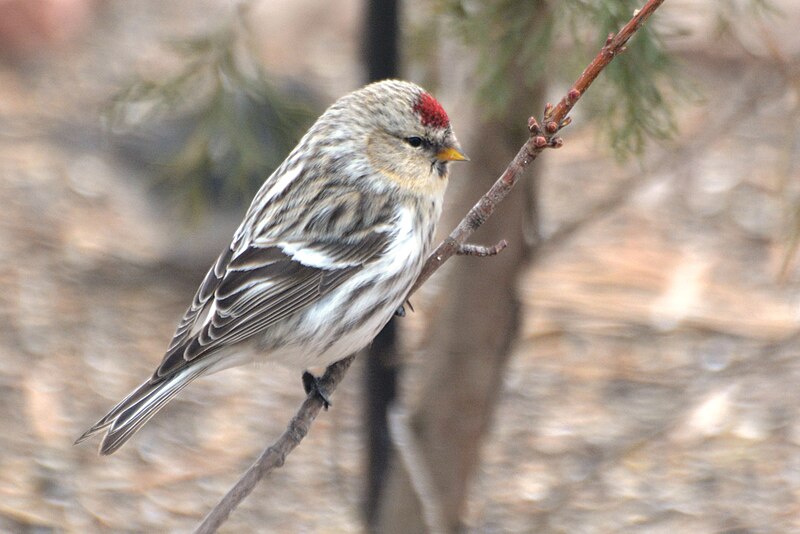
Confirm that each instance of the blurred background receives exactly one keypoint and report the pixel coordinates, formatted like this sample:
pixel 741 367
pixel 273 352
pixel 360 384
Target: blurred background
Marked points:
pixel 629 364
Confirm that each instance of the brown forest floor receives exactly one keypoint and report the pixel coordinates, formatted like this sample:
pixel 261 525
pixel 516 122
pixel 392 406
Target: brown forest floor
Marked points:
pixel 654 388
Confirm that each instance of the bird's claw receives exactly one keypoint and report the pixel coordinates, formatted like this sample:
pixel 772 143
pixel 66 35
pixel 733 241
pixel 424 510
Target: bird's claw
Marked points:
pixel 401 310
pixel 312 385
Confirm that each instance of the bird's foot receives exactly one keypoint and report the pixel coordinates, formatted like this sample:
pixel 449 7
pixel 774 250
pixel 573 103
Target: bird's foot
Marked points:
pixel 401 310
pixel 312 384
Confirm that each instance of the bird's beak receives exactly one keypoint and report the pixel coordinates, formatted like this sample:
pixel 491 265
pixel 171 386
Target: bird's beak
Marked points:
pixel 452 153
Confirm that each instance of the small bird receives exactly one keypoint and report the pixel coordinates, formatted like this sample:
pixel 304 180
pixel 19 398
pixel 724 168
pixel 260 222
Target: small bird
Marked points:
pixel 325 255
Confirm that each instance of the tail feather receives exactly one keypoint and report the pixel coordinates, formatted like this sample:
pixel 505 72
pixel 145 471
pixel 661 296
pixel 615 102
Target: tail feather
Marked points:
pixel 137 408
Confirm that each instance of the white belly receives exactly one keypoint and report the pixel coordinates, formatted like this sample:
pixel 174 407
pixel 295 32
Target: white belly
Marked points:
pixel 349 317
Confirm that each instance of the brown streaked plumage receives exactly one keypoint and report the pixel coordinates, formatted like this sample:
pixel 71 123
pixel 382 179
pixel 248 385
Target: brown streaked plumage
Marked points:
pixel 326 253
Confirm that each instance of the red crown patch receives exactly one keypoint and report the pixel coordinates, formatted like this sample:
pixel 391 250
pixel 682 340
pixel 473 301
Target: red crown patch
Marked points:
pixel 431 112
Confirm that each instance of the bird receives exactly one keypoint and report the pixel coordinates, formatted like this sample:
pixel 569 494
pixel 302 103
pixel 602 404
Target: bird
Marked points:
pixel 325 255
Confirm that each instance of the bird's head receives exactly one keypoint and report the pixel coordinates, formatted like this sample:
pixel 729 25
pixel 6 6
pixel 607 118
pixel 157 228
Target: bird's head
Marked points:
pixel 409 141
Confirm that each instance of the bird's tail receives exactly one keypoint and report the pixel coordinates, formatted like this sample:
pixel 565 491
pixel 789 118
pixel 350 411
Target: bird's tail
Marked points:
pixel 136 409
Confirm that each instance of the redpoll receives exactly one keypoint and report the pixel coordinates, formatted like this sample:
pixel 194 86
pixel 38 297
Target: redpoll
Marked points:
pixel 327 251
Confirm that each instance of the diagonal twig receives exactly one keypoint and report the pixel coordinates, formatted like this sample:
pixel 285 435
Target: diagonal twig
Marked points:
pixel 275 455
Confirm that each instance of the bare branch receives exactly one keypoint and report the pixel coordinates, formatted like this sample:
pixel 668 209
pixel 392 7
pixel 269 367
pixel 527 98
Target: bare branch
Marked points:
pixel 554 119
pixel 275 455
pixel 468 249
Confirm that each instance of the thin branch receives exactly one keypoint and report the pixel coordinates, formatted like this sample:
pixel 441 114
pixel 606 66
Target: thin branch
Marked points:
pixel 468 249
pixel 275 455
pixel 555 118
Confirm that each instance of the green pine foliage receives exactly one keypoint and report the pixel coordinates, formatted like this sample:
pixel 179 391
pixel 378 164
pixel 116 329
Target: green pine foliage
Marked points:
pixel 552 41
pixel 233 124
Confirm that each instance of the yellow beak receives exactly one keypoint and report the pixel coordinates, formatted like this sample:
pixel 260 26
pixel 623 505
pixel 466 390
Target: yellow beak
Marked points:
pixel 451 154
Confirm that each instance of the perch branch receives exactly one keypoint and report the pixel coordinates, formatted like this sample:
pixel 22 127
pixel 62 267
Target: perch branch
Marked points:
pixel 541 137
pixel 275 455
pixel 468 249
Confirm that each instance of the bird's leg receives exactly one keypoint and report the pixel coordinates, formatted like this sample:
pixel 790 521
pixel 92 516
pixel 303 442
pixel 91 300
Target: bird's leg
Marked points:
pixel 401 310
pixel 311 384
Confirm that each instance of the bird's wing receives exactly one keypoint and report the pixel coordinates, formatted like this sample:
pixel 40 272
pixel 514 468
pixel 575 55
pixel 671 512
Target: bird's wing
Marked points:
pixel 265 275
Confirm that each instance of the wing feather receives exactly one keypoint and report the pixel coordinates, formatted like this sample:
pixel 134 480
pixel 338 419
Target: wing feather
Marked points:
pixel 256 284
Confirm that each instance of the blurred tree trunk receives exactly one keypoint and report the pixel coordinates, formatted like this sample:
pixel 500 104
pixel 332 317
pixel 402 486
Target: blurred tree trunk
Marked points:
pixel 471 339
pixel 381 27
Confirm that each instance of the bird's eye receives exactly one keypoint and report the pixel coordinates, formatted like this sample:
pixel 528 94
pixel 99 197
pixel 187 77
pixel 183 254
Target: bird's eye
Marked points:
pixel 416 142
